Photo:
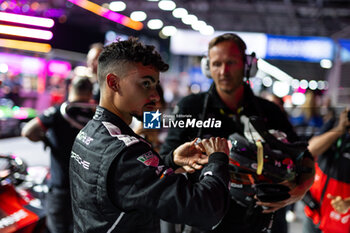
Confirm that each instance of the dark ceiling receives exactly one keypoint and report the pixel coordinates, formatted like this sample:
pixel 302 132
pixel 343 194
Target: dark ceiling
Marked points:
pixel 279 17
pixel 329 18
pixel 78 28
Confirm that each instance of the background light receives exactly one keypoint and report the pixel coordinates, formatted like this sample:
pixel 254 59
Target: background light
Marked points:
pixel 4 68
pixel 326 64
pixel 111 15
pixel 25 45
pixel 295 83
pixel 304 84
pixel 167 5
pixel 111 36
pixel 198 25
pixel 313 85
pixel 169 30
pixel 179 12
pixel 321 85
pixel 189 19
pixel 25 19
pixel 208 30
pixel 298 98
pixel 26 32
pixel 280 89
pixel 117 6
pixel 267 81
pixel 155 24
pixel 138 15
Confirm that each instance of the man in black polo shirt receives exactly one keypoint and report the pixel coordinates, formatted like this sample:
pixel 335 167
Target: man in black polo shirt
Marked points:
pixel 228 100
pixel 58 126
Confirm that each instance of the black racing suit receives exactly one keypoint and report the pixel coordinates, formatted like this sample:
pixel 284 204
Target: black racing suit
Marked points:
pixel 119 184
pixel 194 106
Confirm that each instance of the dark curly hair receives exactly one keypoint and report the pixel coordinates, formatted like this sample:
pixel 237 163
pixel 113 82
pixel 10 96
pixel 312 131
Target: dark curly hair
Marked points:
pixel 131 50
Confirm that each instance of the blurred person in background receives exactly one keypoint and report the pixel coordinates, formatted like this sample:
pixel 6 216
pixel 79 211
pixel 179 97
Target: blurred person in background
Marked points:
pixel 228 100
pixel 328 201
pixel 12 88
pixel 307 119
pixel 118 182
pixel 92 63
pixel 57 127
pixel 328 114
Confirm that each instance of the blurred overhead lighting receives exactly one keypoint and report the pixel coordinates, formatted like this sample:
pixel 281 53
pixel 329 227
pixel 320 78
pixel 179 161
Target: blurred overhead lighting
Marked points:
pixel 28 20
pixel 326 63
pixel 321 85
pixel 25 45
pixel 267 81
pixel 26 32
pixel 298 98
pixel 167 5
pixel 155 24
pixel 138 15
pixel 161 35
pixel 189 19
pixel 280 89
pixel 169 30
pixel 4 68
pixel 179 12
pixel 104 12
pixel 117 6
pixel 313 85
pixel 207 30
pixel 304 84
pixel 295 83
pixel 198 25
pixel 274 71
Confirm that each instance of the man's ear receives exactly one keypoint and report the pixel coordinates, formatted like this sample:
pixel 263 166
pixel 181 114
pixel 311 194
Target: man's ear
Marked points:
pixel 112 82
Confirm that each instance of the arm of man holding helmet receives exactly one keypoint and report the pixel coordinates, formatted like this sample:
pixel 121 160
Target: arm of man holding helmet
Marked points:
pixel 302 182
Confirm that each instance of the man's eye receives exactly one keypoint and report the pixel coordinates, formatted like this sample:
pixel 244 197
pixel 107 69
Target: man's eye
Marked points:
pixel 146 84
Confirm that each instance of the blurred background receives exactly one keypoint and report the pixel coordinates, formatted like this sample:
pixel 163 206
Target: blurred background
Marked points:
pixel 302 45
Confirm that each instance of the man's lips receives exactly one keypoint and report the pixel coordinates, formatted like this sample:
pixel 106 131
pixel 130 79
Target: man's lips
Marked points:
pixel 226 80
pixel 150 106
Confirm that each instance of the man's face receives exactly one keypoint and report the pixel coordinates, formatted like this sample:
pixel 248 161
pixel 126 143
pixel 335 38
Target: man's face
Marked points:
pixel 226 66
pixel 138 91
pixel 92 59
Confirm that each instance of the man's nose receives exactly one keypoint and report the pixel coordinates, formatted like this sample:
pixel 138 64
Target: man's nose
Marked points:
pixel 224 68
pixel 155 95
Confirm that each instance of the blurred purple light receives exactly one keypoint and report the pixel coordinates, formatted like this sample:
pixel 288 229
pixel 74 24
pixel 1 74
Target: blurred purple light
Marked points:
pixel 61 68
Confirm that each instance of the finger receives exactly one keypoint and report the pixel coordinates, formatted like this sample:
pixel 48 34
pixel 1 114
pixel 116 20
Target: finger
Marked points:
pixel 197 166
pixel 270 210
pixel 194 141
pixel 329 196
pixel 180 170
pixel 188 169
pixel 203 160
pixel 200 147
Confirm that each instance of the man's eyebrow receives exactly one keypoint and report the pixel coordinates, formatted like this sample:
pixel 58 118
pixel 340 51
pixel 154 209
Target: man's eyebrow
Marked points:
pixel 149 77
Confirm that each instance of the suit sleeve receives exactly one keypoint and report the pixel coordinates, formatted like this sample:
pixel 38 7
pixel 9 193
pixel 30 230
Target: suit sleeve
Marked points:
pixel 142 182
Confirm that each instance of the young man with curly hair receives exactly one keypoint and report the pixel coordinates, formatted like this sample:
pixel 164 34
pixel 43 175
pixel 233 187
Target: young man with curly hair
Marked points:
pixel 119 183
